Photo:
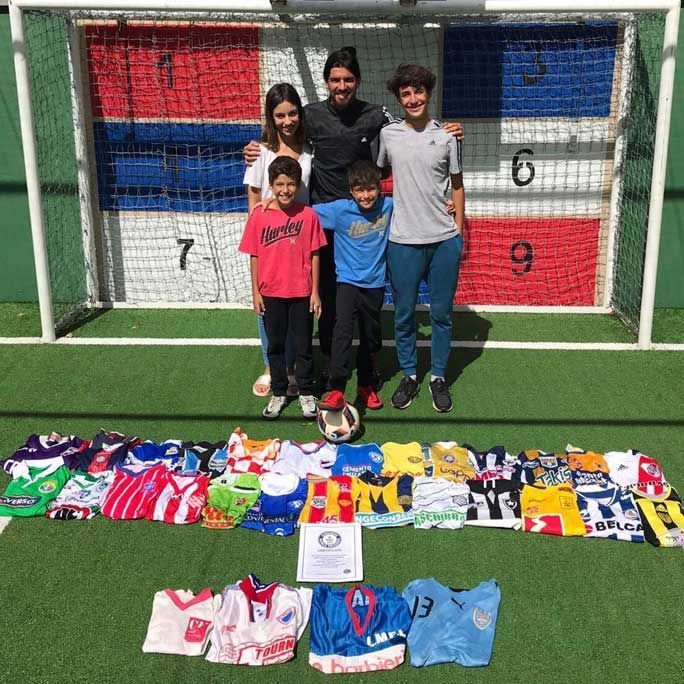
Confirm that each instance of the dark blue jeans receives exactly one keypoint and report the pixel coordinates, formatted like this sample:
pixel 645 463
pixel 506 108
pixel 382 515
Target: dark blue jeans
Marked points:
pixel 439 263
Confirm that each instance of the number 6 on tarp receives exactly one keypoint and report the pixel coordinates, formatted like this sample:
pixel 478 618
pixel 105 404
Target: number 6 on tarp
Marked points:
pixel 187 243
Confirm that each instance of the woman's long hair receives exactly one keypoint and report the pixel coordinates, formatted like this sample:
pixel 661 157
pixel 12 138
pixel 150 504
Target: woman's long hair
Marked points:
pixel 279 93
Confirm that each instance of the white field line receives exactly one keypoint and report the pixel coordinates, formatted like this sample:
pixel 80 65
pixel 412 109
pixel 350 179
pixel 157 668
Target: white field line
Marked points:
pixel 4 521
pixel 255 342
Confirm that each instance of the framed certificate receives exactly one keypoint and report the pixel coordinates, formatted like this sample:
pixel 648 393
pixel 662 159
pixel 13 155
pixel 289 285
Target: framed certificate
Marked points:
pixel 330 553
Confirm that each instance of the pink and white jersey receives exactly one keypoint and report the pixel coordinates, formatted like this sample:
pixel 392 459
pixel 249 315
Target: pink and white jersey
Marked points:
pixel 134 490
pixel 250 455
pixel 180 622
pixel 636 470
pixel 181 499
pixel 310 460
pixel 258 624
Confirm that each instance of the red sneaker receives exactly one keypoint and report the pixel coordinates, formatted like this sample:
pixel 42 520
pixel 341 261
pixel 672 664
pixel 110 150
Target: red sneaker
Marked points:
pixel 332 401
pixel 370 398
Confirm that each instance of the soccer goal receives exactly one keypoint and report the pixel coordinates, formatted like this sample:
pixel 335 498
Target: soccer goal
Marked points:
pixel 134 115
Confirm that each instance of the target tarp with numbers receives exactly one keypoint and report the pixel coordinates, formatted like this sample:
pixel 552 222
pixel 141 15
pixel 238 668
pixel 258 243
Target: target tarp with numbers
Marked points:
pixel 171 106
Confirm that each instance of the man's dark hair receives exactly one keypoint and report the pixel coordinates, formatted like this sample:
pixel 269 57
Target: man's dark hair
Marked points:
pixel 411 75
pixel 344 58
pixel 364 173
pixel 285 166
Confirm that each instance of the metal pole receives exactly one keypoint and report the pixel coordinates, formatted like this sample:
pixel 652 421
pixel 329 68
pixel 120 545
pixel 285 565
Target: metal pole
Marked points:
pixel 28 139
pixel 655 211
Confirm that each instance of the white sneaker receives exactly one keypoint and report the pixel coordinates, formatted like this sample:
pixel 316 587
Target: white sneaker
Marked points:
pixel 275 407
pixel 308 404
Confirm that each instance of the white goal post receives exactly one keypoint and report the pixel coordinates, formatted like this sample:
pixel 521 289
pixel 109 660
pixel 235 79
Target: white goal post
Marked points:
pixel 584 151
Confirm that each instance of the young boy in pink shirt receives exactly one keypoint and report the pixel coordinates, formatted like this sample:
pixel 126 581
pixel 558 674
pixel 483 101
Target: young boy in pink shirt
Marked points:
pixel 283 240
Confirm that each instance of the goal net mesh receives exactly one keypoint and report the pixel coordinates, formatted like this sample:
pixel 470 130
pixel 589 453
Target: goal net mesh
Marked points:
pixel 141 120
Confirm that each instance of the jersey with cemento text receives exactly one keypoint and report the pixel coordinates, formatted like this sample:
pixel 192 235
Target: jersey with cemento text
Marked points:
pixel 383 501
pixel 81 497
pixel 329 501
pixel 134 490
pixel 258 624
pixel 180 622
pixel 551 510
pixel 181 499
pixel 352 460
pixel 361 629
pixel 402 459
pixel 34 484
pixel 440 503
pixel 313 459
pixel 450 625
pixel 494 503
pixel 609 511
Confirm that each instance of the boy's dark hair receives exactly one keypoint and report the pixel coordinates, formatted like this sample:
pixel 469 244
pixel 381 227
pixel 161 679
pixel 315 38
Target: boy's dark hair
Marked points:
pixel 344 58
pixel 411 75
pixel 364 173
pixel 285 166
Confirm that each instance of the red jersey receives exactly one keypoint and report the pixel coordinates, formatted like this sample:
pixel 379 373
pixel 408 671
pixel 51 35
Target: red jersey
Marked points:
pixel 283 240
pixel 134 490
pixel 329 501
pixel 181 499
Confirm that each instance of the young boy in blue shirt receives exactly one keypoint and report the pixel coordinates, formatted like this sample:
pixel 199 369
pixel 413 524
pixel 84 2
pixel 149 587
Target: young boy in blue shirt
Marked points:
pixel 361 228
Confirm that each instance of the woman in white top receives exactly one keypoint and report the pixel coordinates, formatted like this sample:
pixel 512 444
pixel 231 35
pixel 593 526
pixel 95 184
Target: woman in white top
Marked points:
pixel 283 135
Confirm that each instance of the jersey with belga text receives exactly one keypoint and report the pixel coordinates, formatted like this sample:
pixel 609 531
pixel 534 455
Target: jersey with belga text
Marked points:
pixel 81 497
pixel 609 511
pixel 402 459
pixel 451 461
pixel 551 510
pixel 662 516
pixel 328 501
pixel 494 503
pixel 278 507
pixel 134 490
pixel 636 470
pixel 494 464
pixel 180 622
pixel 33 485
pixel 439 503
pixel 41 447
pixel 258 624
pixel 181 499
pixel 360 629
pixel 536 467
pixel 313 459
pixel 383 501
pixel 451 625
pixel 354 459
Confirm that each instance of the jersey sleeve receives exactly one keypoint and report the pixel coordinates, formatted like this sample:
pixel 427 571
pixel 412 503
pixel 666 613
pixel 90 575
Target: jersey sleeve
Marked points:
pixel 249 244
pixel 455 148
pixel 318 238
pixel 255 172
pixel 383 160
pixel 305 597
pixel 327 213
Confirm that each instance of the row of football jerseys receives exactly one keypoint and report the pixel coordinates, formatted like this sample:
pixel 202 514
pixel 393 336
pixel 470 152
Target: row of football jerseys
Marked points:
pixel 360 629
pixel 271 485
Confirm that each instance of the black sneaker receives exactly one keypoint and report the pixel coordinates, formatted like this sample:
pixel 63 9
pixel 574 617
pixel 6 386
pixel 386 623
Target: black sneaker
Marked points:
pixel 405 393
pixel 441 399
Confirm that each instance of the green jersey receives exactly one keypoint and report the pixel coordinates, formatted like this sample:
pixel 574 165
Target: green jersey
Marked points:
pixel 34 485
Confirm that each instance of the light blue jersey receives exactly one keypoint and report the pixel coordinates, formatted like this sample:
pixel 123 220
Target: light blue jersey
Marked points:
pixel 360 239
pixel 451 626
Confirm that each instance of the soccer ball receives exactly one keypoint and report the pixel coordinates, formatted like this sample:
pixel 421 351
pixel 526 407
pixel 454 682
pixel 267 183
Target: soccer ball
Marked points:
pixel 339 426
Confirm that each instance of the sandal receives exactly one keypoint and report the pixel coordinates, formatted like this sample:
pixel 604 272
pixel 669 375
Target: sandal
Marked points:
pixel 262 386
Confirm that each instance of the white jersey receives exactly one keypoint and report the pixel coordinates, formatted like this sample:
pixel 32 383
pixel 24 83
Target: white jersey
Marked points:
pixel 634 469
pixel 313 459
pixel 81 497
pixel 438 502
pixel 180 622
pixel 258 624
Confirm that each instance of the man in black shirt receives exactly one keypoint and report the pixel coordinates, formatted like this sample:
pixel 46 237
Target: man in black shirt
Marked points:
pixel 341 130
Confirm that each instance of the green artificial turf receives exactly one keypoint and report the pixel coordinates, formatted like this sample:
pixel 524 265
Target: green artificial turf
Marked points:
pixel 578 610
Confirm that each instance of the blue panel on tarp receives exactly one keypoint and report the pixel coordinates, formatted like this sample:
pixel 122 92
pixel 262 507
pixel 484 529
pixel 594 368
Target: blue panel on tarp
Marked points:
pixel 528 70
pixel 171 167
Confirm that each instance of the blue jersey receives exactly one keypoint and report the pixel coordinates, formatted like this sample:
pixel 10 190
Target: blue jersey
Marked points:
pixel 360 239
pixel 609 511
pixel 354 460
pixel 451 626
pixel 361 629
pixel 280 502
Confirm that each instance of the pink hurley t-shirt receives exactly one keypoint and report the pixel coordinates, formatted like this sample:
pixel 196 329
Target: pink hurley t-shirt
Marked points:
pixel 283 240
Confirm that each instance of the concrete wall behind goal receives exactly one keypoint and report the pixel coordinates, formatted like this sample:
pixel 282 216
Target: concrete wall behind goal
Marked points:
pixel 17 278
